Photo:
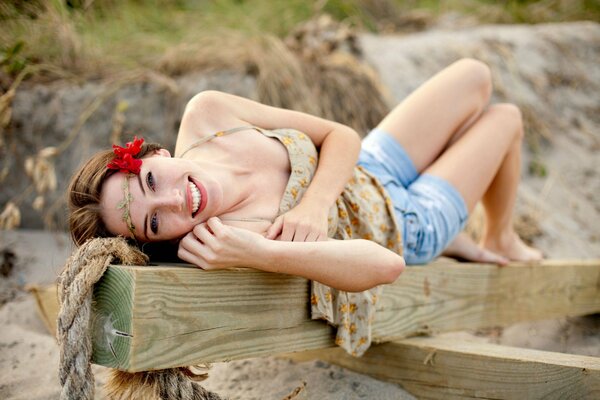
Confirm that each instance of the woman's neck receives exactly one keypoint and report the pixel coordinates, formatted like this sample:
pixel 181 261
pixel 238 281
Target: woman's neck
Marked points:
pixel 238 182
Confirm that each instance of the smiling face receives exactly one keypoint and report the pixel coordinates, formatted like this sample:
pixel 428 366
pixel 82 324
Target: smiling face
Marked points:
pixel 166 200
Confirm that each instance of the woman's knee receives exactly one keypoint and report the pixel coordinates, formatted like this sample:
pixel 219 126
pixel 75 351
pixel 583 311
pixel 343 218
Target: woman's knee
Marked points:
pixel 479 76
pixel 511 117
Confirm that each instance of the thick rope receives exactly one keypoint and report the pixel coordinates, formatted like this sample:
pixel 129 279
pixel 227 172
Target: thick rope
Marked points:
pixel 170 384
pixel 75 288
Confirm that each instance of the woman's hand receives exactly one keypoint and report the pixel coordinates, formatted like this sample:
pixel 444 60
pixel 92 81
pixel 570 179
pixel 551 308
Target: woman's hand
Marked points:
pixel 303 223
pixel 212 245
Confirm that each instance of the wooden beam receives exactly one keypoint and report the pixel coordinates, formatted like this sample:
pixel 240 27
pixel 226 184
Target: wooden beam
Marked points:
pixel 183 316
pixel 440 368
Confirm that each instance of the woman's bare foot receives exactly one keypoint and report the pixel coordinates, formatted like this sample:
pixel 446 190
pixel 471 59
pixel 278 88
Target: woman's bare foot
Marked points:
pixel 512 247
pixel 464 248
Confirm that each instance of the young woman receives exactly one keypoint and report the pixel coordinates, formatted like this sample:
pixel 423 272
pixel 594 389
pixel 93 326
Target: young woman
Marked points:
pixel 244 187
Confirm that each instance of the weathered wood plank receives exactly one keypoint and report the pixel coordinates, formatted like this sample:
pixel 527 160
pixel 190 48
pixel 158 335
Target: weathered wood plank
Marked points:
pixel 441 368
pixel 452 296
pixel 182 316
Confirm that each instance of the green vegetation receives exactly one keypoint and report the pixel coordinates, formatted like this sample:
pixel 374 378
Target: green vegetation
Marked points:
pixel 94 37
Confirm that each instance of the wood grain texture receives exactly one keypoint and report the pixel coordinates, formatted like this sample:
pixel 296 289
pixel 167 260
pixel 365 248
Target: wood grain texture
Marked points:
pixel 446 296
pixel 182 316
pixel 439 368
pixel 113 309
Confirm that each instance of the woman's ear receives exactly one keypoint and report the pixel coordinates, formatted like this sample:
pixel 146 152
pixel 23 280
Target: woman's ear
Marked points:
pixel 162 152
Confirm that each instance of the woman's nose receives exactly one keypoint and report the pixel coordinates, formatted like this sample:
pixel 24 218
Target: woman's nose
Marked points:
pixel 172 200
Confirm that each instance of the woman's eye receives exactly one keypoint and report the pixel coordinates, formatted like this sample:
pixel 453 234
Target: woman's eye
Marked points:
pixel 154 223
pixel 150 180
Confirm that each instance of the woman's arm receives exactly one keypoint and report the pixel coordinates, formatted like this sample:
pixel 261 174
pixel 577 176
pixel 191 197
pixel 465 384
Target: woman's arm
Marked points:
pixel 338 144
pixel 308 220
pixel 351 265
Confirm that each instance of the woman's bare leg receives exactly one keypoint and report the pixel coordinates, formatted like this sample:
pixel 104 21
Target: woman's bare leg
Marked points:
pixel 444 106
pixel 484 164
pixel 436 115
pixel 431 122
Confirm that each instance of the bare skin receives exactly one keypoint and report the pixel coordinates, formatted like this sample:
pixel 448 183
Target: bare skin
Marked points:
pixel 466 132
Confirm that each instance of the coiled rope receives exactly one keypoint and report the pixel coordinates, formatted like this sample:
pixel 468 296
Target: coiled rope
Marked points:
pixel 75 288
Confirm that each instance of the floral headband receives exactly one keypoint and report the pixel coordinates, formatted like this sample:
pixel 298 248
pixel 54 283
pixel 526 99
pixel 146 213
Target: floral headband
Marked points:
pixel 125 162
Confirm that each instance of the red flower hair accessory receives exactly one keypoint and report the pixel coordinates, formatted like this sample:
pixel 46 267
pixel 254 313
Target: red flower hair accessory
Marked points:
pixel 124 160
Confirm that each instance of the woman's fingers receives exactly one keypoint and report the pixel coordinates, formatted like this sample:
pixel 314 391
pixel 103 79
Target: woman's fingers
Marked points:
pixel 287 233
pixel 191 243
pixel 216 226
pixel 199 247
pixel 275 229
pixel 313 236
pixel 301 234
pixel 204 234
pixel 287 228
pixel 211 232
pixel 295 232
pixel 192 251
pixel 185 255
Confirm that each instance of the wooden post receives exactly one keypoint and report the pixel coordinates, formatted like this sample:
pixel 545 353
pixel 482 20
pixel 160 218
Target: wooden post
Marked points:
pixel 183 316
pixel 440 368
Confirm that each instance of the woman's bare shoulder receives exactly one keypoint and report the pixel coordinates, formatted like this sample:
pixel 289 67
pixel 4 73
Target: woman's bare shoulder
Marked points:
pixel 206 113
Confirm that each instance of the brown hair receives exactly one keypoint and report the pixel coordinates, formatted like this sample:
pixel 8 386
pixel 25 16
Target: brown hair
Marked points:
pixel 83 195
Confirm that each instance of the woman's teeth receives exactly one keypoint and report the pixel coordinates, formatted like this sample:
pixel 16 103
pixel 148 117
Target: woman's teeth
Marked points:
pixel 196 197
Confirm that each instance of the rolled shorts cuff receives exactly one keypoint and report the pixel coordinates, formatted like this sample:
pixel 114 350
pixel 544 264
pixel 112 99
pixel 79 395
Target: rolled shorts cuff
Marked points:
pixel 427 182
pixel 441 214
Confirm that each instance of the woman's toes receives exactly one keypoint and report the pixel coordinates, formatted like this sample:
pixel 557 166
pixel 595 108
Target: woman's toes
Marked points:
pixel 464 248
pixel 514 249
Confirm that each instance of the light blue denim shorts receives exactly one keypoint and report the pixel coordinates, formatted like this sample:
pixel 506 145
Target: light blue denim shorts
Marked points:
pixel 429 209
